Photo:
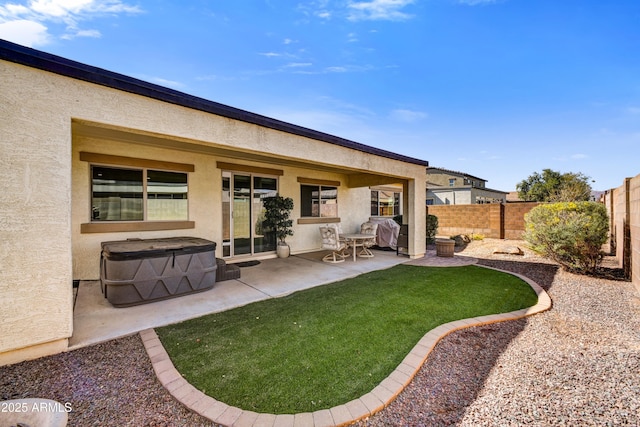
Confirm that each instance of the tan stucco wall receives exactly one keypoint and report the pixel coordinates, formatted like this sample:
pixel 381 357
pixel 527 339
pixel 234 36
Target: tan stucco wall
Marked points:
pixel 205 201
pixel 442 178
pixel 46 188
pixel 35 232
pixel 450 197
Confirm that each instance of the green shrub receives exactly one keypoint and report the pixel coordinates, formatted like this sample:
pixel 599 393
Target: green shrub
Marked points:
pixel 570 233
pixel 432 228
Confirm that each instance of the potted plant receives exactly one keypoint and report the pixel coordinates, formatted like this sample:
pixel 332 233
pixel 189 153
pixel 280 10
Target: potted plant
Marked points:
pixel 276 219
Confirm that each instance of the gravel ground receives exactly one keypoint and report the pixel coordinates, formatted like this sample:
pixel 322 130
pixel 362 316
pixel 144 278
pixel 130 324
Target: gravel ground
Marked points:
pixel 577 364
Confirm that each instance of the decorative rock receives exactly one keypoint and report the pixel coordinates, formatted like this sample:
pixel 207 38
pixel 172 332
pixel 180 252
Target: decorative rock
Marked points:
pixel 34 412
pixel 509 250
pixel 461 240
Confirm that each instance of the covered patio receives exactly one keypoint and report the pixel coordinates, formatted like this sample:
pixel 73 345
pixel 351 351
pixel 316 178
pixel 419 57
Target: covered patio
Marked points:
pixel 96 156
pixel 96 320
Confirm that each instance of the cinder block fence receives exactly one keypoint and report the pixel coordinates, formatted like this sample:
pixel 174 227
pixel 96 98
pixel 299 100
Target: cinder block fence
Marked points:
pixel 623 205
pixel 495 220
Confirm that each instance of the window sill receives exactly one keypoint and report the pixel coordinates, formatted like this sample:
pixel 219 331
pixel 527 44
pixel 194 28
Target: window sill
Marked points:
pixel 320 220
pixel 114 227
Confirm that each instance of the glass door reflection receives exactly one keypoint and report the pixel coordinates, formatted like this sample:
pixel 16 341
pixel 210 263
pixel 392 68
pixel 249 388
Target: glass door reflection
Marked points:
pixel 241 214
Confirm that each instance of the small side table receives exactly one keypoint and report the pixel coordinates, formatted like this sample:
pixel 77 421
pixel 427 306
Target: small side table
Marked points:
pixel 356 240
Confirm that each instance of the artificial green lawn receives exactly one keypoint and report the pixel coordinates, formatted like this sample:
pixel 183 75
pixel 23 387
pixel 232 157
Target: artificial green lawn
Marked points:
pixel 328 345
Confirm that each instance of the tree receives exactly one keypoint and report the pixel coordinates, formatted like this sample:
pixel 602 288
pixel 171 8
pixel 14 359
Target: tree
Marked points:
pixel 552 186
pixel 276 217
pixel 574 187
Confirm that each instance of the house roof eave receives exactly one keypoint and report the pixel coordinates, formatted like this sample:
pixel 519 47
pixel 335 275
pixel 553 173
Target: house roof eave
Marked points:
pixel 56 64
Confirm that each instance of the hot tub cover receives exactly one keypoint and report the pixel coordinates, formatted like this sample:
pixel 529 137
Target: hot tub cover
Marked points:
pixel 153 248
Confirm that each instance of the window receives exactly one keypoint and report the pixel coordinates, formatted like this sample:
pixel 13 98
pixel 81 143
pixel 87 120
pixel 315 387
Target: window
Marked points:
pixel 119 194
pixel 385 203
pixel 318 201
pixel 430 202
pixel 452 182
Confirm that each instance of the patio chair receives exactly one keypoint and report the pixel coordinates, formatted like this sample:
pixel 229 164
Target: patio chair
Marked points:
pixel 331 241
pixel 368 228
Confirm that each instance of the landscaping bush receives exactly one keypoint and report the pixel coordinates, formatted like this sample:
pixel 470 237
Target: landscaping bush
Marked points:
pixel 570 233
pixel 432 228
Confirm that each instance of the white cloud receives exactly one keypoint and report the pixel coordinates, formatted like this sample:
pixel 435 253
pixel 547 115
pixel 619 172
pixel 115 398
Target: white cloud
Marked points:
pixel 476 2
pixel 298 64
pixel 318 9
pixel 579 156
pixel 337 69
pixel 331 69
pixel 408 116
pixel 24 32
pixel 81 33
pixel 167 83
pixel 28 23
pixel 379 10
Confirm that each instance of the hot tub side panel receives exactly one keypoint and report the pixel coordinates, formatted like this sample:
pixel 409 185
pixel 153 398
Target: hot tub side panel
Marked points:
pixel 128 282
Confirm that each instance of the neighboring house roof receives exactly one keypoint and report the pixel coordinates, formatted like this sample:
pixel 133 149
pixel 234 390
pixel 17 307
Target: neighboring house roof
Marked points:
pixel 432 186
pixel 56 64
pixel 443 189
pixel 466 175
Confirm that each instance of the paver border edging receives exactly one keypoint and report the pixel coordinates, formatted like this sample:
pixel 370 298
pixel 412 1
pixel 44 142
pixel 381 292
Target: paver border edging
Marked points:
pixel 348 413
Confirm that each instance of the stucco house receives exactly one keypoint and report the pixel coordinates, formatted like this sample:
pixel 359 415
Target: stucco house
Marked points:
pixel 447 187
pixel 90 155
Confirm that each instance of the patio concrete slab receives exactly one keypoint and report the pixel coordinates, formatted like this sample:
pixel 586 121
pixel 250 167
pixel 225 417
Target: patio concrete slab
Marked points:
pixel 96 320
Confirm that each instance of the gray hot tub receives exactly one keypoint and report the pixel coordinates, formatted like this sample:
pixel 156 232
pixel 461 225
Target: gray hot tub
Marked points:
pixel 139 271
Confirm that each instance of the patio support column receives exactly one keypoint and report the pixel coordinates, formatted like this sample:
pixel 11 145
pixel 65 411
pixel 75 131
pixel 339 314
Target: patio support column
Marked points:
pixel 415 215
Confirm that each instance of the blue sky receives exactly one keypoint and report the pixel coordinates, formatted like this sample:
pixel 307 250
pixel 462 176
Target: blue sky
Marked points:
pixel 495 88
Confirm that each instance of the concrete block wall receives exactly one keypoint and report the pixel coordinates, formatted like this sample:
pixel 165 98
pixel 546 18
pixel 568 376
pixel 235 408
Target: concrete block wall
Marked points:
pixel 463 219
pixel 620 221
pixel 623 206
pixel 634 230
pixel 495 220
pixel 514 219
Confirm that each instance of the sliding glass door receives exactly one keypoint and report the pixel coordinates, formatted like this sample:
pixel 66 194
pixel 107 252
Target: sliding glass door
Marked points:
pixel 243 213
